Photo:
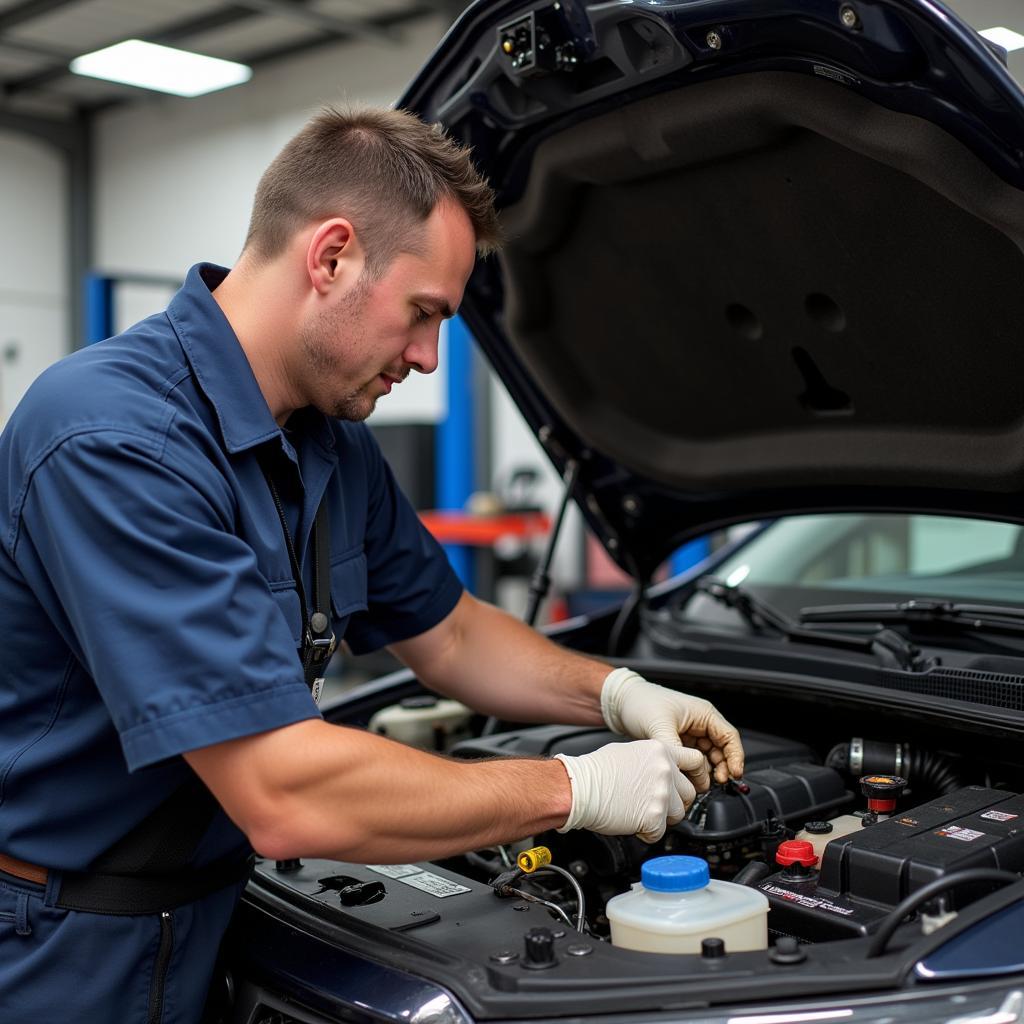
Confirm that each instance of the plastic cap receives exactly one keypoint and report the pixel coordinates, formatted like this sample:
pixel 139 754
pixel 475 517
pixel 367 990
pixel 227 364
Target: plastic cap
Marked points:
pixel 675 874
pixel 882 791
pixel 796 851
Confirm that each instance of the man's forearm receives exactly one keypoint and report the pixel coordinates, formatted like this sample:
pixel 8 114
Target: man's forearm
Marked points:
pixel 314 789
pixel 500 666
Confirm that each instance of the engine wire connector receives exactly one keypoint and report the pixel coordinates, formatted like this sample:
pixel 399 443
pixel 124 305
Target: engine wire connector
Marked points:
pixel 534 858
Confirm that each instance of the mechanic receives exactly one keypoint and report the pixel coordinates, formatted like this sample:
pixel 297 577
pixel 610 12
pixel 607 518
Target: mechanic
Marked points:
pixel 186 506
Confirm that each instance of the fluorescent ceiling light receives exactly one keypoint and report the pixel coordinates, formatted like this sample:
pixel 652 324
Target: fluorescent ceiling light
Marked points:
pixel 162 68
pixel 1004 37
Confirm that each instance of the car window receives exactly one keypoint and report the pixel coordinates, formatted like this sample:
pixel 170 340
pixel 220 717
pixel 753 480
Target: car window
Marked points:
pixel 966 558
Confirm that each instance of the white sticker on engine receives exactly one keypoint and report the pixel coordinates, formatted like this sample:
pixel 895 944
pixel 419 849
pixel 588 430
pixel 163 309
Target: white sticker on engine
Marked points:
pixel 965 835
pixel 999 816
pixel 395 870
pixel 434 884
pixel 811 902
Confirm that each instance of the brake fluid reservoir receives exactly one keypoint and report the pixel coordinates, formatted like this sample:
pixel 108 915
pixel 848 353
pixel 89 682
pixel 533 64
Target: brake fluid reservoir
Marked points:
pixel 676 904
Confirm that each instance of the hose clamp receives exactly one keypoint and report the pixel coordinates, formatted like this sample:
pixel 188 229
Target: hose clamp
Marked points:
pixel 857 756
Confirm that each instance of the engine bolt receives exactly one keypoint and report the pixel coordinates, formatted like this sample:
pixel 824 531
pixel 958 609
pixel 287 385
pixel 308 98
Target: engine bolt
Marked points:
pixel 848 16
pixel 714 40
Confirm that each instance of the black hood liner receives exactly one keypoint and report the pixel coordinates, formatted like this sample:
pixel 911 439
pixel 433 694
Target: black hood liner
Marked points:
pixel 767 281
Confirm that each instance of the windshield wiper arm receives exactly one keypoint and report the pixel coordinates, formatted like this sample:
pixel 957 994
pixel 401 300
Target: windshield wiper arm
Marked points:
pixel 885 644
pixel 978 618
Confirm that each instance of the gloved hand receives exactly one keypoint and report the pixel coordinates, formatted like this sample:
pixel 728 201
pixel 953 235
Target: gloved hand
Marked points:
pixel 625 789
pixel 633 707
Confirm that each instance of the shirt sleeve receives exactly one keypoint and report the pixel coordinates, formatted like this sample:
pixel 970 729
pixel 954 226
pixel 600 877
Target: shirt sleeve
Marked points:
pixel 138 565
pixel 411 586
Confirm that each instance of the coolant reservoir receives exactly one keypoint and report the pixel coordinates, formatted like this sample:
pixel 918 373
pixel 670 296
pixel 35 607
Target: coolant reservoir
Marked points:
pixel 425 722
pixel 820 833
pixel 676 904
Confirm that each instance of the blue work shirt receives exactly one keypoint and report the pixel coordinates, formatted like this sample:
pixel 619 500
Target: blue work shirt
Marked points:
pixel 147 603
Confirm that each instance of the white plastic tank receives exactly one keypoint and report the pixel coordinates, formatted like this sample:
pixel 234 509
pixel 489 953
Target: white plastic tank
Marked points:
pixel 820 833
pixel 424 721
pixel 676 904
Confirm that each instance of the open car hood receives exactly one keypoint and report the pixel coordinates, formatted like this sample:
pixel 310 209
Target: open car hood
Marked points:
pixel 760 257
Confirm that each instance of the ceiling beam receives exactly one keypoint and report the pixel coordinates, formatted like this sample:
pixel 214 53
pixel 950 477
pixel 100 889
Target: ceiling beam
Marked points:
pixel 61 133
pixel 35 49
pixel 386 22
pixel 345 28
pixel 29 10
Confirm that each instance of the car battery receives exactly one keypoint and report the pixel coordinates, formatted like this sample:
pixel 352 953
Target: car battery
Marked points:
pixel 864 874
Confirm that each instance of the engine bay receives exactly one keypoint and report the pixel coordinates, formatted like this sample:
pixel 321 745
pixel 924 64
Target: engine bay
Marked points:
pixel 799 830
pixel 838 842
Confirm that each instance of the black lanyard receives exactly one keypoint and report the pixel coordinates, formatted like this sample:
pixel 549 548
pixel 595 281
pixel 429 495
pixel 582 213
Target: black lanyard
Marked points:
pixel 318 640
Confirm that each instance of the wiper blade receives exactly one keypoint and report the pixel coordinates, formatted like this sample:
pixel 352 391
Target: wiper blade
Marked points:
pixel 978 618
pixel 888 646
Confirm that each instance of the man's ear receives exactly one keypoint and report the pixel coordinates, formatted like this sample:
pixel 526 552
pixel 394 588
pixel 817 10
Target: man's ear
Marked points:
pixel 334 256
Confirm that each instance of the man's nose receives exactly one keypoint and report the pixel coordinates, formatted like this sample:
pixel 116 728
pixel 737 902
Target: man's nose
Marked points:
pixel 421 353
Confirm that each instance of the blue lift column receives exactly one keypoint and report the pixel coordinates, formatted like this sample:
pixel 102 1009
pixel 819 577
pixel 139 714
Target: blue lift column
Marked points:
pixel 99 308
pixel 455 453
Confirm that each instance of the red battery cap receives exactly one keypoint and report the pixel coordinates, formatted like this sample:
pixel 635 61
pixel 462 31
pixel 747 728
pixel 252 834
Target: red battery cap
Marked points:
pixel 796 851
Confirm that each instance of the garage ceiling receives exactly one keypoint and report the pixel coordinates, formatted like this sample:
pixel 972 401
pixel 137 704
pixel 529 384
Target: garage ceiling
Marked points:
pixel 38 38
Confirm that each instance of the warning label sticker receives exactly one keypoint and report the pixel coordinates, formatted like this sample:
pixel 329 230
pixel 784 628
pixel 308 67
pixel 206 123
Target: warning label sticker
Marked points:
pixel 965 835
pixel 427 881
pixel 999 816
pixel 395 870
pixel 435 884
pixel 811 902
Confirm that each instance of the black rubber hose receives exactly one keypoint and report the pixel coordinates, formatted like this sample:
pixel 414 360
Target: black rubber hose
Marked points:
pixel 933 773
pixel 752 873
pixel 893 920
pixel 624 629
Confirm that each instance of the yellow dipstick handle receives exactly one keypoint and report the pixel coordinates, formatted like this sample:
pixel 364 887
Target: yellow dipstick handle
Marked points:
pixel 530 860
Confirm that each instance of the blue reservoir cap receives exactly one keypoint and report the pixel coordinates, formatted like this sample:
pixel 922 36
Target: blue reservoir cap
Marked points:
pixel 675 874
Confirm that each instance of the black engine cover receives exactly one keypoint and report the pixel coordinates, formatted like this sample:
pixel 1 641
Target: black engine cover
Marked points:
pixel 760 749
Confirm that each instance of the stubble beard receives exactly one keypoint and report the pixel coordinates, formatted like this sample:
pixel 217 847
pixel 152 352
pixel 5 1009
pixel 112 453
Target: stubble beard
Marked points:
pixel 357 404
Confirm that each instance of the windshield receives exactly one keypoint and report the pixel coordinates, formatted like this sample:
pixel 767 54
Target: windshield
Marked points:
pixel 885 555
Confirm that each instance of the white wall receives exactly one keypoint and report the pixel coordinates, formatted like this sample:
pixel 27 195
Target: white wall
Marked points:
pixel 33 263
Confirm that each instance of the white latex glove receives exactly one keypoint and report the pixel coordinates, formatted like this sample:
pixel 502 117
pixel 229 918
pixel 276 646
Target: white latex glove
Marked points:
pixel 633 707
pixel 625 789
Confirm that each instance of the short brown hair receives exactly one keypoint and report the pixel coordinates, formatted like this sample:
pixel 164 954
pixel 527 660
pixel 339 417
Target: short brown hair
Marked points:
pixel 384 169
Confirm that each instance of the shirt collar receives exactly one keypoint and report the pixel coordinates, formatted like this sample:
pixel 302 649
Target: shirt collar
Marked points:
pixel 222 369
